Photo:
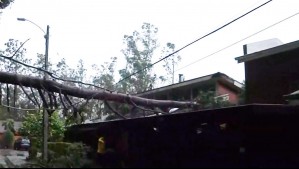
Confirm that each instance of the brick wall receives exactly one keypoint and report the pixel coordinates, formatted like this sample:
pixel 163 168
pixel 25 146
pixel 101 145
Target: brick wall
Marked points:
pixel 221 89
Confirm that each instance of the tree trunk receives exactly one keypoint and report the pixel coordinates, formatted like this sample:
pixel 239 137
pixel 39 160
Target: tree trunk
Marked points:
pixel 7 98
pixel 53 86
pixel 0 93
pixel 15 98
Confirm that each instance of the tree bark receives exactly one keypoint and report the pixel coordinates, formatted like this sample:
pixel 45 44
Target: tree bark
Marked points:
pixel 53 86
pixel 0 93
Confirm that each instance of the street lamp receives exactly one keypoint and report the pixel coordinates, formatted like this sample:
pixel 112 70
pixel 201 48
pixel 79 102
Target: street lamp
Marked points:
pixel 45 113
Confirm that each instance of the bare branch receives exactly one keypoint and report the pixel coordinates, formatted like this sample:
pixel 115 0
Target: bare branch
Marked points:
pixel 28 95
pixel 61 100
pixel 51 101
pixel 51 74
pixel 34 97
pixel 69 101
pixel 55 100
pixel 114 111
pixel 16 108
pixel 45 104
pixel 20 108
pixel 75 110
pixel 144 109
pixel 18 49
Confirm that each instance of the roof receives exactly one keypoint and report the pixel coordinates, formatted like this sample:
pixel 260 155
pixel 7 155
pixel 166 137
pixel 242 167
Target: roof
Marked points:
pixel 248 112
pixel 268 52
pixel 200 80
pixel 292 96
pixel 17 125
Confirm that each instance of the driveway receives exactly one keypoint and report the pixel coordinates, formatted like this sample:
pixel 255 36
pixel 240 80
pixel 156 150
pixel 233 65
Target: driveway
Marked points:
pixel 10 158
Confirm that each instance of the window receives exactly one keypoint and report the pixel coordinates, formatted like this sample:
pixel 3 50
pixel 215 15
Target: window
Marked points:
pixel 224 97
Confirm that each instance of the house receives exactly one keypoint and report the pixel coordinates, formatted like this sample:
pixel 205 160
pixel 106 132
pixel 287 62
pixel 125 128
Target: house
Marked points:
pixel 224 87
pixel 255 135
pixel 271 73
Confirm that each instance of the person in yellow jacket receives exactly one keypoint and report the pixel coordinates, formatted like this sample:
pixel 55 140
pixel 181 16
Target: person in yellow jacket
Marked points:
pixel 101 145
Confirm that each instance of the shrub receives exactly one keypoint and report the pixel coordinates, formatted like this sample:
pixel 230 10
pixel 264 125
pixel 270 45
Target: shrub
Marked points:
pixel 64 155
pixel 59 148
pixel 8 139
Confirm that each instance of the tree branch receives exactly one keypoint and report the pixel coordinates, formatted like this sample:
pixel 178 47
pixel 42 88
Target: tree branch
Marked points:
pixel 71 104
pixel 7 97
pixel 28 95
pixel 55 100
pixel 114 111
pixel 144 109
pixel 53 86
pixel 62 102
pixel 16 108
pixel 45 104
pixel 18 49
pixel 51 74
pixel 34 97
pixel 1 94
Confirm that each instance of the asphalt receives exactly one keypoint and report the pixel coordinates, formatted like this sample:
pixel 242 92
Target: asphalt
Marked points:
pixel 12 158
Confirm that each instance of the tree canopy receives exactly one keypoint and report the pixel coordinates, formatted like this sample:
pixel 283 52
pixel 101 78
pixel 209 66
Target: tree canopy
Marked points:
pixel 5 3
pixel 139 49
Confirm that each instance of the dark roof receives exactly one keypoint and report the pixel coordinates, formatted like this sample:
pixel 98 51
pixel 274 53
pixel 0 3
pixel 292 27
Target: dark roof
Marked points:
pixel 238 112
pixel 268 52
pixel 200 80
pixel 292 96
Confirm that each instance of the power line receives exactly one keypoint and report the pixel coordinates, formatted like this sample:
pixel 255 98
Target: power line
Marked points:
pixel 238 41
pixel 193 42
pixel 54 76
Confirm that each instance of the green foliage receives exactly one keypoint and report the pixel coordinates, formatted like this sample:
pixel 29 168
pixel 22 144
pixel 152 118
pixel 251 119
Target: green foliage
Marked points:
pixel 170 62
pixel 32 127
pixel 32 152
pixel 9 125
pixel 8 139
pixel 105 74
pixel 139 50
pixel 12 93
pixel 60 148
pixel 207 100
pixel 73 155
pixel 5 3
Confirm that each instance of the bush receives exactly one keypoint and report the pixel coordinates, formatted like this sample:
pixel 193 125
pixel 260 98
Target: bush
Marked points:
pixel 8 139
pixel 59 148
pixel 32 126
pixel 32 152
pixel 64 155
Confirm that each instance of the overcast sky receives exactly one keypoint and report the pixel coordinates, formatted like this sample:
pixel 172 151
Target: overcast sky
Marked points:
pixel 92 30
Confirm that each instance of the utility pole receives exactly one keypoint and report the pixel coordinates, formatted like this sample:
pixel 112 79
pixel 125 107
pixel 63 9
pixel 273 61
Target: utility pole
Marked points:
pixel 45 112
pixel 172 69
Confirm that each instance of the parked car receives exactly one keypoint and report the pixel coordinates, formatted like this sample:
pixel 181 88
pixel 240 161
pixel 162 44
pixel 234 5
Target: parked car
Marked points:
pixel 22 144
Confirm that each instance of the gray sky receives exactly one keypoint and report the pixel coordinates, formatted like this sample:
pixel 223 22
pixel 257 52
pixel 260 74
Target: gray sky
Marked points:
pixel 92 30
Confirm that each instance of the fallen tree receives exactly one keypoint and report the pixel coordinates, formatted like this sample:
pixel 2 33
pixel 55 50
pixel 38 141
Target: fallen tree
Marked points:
pixel 53 86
